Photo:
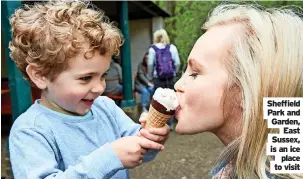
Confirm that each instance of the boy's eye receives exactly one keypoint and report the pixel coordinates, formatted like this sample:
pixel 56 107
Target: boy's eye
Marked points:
pixel 194 75
pixel 104 75
pixel 86 78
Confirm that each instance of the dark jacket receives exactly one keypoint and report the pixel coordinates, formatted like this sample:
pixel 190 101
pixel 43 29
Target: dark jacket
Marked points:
pixel 141 77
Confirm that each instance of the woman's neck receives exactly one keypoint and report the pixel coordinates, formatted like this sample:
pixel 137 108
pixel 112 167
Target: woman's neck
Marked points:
pixel 230 130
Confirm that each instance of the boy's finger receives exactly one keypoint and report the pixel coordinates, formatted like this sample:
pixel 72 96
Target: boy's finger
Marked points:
pixel 160 131
pixel 148 144
pixel 153 137
pixel 143 124
pixel 143 117
pixel 143 151
pixel 140 162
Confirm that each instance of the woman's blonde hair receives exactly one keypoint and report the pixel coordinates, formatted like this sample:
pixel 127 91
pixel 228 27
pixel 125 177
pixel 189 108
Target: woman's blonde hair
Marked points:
pixel 266 61
pixel 49 34
pixel 160 36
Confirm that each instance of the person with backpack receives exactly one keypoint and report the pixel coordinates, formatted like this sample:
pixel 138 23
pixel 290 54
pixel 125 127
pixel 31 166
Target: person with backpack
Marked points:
pixel 163 62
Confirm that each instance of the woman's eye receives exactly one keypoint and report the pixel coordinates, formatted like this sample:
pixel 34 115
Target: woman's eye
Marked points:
pixel 86 78
pixel 194 75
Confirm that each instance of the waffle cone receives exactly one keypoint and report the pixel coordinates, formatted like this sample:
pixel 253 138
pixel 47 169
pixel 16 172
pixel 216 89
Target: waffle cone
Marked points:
pixel 155 119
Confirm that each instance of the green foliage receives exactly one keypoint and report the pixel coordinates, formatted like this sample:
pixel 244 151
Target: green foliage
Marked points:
pixel 184 26
pixel 280 3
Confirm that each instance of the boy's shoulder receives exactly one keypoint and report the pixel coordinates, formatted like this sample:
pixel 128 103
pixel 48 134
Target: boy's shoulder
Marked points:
pixel 104 104
pixel 104 101
pixel 32 118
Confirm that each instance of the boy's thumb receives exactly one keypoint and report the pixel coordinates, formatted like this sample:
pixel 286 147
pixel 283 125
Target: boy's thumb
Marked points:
pixel 143 117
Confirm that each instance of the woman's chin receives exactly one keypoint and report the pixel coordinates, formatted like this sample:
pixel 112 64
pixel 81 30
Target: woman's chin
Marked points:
pixel 180 130
pixel 183 130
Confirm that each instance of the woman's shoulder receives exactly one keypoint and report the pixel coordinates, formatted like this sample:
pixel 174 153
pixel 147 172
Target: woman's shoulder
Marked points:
pixel 141 68
pixel 226 171
pixel 173 47
pixel 271 176
pixel 223 171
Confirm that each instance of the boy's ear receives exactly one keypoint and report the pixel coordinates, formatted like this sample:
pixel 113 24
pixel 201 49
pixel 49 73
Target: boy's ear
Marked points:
pixel 39 80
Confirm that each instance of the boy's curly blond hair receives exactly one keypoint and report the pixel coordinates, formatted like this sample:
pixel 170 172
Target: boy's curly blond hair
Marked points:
pixel 49 34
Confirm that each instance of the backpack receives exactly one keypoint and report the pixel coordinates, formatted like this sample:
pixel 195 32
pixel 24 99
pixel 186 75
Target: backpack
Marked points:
pixel 165 66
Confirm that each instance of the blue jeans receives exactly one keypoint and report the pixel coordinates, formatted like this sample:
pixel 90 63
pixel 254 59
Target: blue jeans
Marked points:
pixel 144 95
pixel 171 122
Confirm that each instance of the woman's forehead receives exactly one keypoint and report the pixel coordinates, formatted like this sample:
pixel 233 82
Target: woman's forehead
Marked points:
pixel 215 41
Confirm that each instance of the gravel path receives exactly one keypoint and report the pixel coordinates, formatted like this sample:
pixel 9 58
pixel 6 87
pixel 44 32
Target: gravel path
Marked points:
pixel 185 157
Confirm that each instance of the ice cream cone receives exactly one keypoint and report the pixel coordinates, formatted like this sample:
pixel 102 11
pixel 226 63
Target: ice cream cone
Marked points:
pixel 162 108
pixel 156 119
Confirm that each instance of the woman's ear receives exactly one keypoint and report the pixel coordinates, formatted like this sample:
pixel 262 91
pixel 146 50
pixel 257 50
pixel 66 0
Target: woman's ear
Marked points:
pixel 39 80
pixel 233 102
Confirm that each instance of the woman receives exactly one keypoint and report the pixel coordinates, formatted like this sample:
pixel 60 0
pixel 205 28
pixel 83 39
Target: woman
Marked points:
pixel 142 84
pixel 162 42
pixel 246 54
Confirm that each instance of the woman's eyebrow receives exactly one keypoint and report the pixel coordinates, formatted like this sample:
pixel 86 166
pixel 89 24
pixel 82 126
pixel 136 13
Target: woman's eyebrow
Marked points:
pixel 195 65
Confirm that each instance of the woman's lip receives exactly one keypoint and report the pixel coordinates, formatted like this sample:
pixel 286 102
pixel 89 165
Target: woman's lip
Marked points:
pixel 177 111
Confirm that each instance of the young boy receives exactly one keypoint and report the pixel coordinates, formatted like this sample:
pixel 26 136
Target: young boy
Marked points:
pixel 65 48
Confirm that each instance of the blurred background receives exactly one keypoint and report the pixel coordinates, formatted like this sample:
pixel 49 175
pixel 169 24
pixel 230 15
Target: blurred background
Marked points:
pixel 185 157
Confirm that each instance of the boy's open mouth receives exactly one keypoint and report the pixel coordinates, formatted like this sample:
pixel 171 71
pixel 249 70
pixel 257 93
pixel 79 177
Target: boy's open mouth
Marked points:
pixel 88 102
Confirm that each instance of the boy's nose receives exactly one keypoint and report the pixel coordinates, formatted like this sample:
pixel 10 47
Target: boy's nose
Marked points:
pixel 99 87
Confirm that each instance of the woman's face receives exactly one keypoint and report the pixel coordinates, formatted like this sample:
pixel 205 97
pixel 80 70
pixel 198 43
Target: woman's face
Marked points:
pixel 146 59
pixel 201 88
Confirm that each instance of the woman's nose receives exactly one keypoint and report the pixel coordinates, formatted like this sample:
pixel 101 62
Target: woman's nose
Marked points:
pixel 179 85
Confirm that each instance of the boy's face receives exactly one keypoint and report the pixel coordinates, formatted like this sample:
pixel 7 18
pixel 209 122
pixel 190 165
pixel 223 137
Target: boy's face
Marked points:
pixel 74 90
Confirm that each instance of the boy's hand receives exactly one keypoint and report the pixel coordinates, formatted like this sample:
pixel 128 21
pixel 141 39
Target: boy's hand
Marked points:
pixel 159 135
pixel 130 150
